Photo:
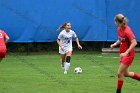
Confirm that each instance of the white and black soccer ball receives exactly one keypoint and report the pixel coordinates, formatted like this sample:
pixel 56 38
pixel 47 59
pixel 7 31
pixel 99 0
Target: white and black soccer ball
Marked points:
pixel 78 70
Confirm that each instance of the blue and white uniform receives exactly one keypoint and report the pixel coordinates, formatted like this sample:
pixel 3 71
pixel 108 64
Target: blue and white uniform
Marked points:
pixel 66 40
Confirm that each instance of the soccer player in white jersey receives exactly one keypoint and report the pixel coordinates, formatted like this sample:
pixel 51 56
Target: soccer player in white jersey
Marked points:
pixel 65 44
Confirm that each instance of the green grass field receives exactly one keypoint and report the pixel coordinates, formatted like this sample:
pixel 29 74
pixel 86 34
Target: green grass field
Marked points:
pixel 41 73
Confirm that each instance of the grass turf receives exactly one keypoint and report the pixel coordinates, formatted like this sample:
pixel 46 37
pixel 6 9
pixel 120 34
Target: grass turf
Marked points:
pixel 41 73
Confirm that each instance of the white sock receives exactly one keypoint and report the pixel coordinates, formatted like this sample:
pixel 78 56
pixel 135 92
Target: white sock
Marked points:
pixel 67 66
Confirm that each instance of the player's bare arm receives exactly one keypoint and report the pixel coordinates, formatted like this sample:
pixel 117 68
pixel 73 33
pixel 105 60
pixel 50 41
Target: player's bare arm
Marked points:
pixel 78 44
pixel 60 45
pixel 7 40
pixel 115 44
pixel 133 44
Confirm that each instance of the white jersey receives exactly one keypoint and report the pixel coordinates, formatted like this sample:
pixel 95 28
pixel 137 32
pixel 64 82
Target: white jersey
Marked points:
pixel 66 40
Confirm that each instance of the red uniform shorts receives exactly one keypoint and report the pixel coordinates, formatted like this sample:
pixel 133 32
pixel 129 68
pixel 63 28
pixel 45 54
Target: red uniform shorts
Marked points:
pixel 2 51
pixel 127 60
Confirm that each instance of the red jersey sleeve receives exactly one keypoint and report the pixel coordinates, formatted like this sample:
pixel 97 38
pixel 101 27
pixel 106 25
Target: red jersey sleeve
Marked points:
pixel 4 34
pixel 129 34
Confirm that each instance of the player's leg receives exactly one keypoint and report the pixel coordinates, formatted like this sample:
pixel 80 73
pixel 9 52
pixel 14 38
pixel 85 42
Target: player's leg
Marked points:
pixel 2 55
pixel 2 52
pixel 122 68
pixel 63 56
pixel 67 64
pixel 132 75
pixel 62 59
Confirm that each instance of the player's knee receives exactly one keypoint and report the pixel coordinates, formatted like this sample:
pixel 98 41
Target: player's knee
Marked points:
pixel 126 75
pixel 68 59
pixel 120 75
pixel 129 74
pixel 62 60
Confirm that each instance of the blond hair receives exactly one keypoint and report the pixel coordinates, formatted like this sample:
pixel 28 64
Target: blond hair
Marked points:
pixel 121 19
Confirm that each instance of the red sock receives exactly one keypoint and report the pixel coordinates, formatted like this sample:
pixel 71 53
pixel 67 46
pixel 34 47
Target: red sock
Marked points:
pixel 136 76
pixel 120 84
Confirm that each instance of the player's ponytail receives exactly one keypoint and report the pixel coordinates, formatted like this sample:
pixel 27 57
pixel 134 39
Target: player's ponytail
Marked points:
pixel 63 26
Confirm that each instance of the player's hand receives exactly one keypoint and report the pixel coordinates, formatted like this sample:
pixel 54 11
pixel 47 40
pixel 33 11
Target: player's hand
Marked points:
pixel 123 54
pixel 62 48
pixel 79 46
pixel 112 46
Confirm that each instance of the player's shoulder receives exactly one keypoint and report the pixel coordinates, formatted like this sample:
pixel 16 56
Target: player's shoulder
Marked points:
pixel 62 31
pixel 72 31
pixel 128 29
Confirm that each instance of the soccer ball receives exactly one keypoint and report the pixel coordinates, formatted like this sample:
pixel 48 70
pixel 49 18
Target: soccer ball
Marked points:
pixel 78 70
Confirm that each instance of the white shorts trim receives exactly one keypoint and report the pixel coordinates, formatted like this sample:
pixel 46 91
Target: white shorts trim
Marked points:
pixel 64 51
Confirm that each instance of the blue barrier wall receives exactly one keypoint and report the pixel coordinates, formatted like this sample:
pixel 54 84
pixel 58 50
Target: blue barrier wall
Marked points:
pixel 130 8
pixel 92 20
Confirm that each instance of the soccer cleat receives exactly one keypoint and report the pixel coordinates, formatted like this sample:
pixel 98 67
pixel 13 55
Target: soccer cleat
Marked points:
pixel 65 72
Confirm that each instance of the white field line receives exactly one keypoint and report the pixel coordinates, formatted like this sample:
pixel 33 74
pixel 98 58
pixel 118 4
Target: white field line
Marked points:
pixel 107 57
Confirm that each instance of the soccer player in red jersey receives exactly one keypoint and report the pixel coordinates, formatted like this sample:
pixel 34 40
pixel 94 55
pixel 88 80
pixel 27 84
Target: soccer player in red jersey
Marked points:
pixel 127 42
pixel 3 41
